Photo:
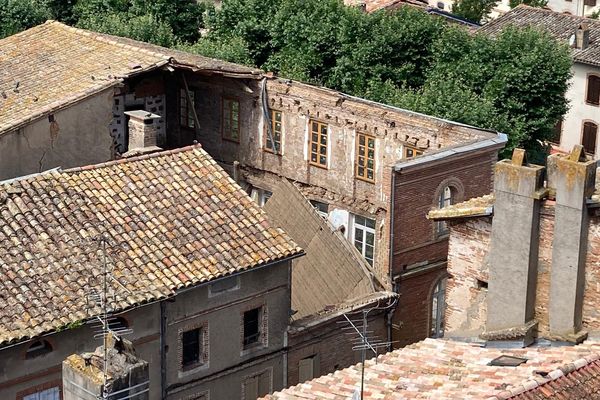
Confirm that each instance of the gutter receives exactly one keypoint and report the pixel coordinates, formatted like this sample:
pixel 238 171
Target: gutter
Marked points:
pixel 497 142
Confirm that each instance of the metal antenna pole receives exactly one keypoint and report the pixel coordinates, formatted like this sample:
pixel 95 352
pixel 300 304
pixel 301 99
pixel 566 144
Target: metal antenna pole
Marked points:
pixel 105 316
pixel 363 355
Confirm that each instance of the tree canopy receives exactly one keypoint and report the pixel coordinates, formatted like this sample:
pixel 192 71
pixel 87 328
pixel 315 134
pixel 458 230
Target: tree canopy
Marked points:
pixel 514 83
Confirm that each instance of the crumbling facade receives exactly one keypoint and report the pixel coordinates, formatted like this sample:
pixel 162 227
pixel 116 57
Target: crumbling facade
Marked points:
pixel 522 262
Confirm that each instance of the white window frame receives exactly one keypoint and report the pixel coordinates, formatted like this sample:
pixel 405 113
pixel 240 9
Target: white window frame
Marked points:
pixel 52 393
pixel 438 308
pixel 365 229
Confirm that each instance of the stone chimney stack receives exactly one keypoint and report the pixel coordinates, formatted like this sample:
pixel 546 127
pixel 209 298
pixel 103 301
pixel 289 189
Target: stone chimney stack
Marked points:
pixel 582 36
pixel 573 178
pixel 514 251
pixel 143 132
pixel 128 376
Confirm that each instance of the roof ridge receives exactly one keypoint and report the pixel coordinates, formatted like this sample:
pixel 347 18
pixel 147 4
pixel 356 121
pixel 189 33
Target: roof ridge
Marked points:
pixel 126 160
pixel 548 11
pixel 112 39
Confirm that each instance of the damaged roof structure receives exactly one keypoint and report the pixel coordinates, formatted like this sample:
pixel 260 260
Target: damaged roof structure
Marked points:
pixel 173 220
pixel 39 77
pixel 332 276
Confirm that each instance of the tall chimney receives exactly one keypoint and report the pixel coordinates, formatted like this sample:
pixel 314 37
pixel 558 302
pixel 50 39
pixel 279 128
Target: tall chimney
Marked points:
pixel 143 132
pixel 574 179
pixel 127 375
pixel 582 36
pixel 514 251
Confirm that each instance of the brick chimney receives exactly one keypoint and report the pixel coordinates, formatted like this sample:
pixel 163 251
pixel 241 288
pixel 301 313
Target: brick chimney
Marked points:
pixel 128 376
pixel 143 132
pixel 518 187
pixel 573 178
pixel 582 36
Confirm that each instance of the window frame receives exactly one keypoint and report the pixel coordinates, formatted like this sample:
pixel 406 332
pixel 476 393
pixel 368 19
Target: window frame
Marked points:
pixel 583 125
pixel 441 227
pixel 272 122
pixel 320 125
pixel 41 388
pixel 268 376
pixel 406 148
pixel 316 204
pixel 203 343
pixel 558 129
pixel 437 301
pixel 190 122
pixel 365 230
pixel 357 164
pixel 587 89
pixel 228 135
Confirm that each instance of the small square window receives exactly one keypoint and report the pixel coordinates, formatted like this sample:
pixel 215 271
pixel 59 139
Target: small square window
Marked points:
pixel 252 322
pixel 191 347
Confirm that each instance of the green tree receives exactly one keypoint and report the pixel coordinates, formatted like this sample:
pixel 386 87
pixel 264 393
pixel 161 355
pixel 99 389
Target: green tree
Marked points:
pixel 531 3
pixel 18 15
pixel 473 10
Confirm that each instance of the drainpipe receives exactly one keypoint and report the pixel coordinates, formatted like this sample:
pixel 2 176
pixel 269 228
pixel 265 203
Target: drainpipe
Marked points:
pixel 163 354
pixel 390 313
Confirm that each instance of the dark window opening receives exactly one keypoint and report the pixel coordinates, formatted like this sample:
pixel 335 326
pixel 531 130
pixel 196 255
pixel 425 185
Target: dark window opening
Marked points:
pixel 251 326
pixel 190 345
pixel 38 348
pixel 557 133
pixel 593 90
pixel 588 140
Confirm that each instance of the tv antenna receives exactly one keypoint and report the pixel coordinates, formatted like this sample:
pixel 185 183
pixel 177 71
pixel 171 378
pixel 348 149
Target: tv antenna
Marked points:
pixel 364 341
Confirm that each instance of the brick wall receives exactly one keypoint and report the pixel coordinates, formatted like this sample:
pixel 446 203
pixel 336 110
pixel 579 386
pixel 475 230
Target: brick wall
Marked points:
pixel 417 191
pixel 468 269
pixel 331 344
pixel 412 317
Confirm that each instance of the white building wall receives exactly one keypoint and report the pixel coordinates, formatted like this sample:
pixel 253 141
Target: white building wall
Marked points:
pixel 574 7
pixel 579 111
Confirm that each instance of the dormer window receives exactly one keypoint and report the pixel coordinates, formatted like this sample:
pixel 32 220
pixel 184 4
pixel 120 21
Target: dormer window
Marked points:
pixel 37 349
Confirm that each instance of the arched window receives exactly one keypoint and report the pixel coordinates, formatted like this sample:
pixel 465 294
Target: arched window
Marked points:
pixel 38 348
pixel 593 90
pixel 438 305
pixel 588 138
pixel 445 199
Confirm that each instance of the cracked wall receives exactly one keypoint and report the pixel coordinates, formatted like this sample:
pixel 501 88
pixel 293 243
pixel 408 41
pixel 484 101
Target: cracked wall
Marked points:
pixel 74 136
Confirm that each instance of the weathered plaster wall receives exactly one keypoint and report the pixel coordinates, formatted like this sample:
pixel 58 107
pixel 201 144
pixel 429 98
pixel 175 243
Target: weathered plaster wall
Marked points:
pixel 78 136
pixel 227 365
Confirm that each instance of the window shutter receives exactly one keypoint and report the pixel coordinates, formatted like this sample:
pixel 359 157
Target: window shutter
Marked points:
pixel 593 90
pixel 589 137
pixel 306 369
pixel 589 2
pixel 264 383
pixel 251 388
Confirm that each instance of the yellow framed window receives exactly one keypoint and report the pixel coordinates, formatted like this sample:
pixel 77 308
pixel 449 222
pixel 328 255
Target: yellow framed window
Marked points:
pixel 365 157
pixel 411 152
pixel 273 141
pixel 318 143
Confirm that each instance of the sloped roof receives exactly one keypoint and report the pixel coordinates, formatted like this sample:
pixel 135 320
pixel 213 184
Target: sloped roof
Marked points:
pixel 53 65
pixel 444 369
pixel 172 220
pixel 560 26
pixel 332 274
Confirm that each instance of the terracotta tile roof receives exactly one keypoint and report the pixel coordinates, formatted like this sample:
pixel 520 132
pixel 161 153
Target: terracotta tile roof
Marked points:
pixel 173 219
pixel 444 369
pixel 53 65
pixel 560 26
pixel 333 273
pixel 475 207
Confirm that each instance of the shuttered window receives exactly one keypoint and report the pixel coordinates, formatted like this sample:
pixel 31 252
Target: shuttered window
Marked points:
pixel 593 90
pixel 588 139
pixel 590 3
pixel 257 386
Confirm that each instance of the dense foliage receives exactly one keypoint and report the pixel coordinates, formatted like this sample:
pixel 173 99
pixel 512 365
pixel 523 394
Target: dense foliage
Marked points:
pixel 474 10
pixel 514 83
